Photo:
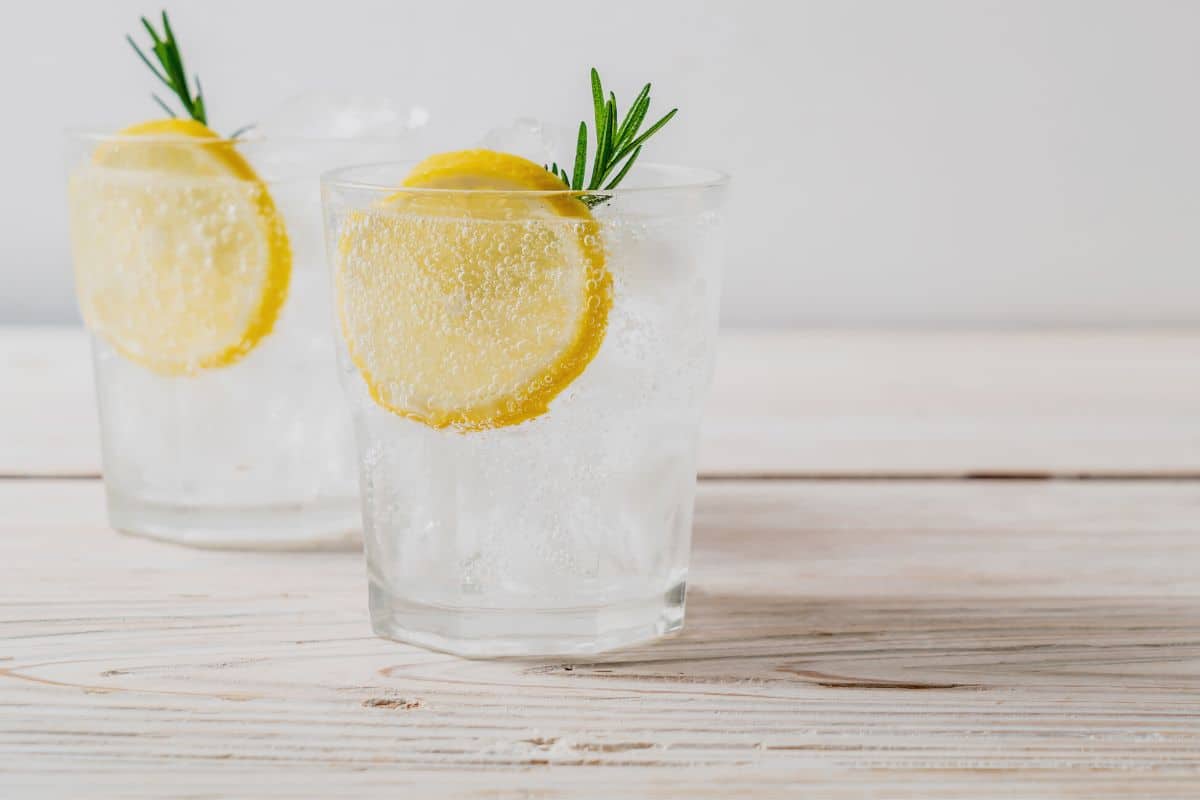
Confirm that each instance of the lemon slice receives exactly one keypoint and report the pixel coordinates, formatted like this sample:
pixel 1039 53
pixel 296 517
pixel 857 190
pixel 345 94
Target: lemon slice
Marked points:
pixel 181 261
pixel 473 309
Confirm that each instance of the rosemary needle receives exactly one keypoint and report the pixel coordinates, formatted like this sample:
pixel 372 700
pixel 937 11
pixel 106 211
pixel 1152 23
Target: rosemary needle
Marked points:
pixel 170 70
pixel 618 143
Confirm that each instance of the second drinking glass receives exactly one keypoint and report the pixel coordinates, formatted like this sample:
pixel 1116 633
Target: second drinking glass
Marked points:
pixel 198 264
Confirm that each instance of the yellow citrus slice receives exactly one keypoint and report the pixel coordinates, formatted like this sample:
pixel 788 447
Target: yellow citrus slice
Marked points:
pixel 182 262
pixel 472 309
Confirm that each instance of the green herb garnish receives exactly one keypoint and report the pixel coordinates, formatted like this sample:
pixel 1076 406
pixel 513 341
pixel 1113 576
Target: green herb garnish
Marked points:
pixel 172 75
pixel 617 141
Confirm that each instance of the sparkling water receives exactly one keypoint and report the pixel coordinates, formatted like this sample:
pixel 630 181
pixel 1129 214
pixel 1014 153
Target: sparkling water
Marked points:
pixel 255 454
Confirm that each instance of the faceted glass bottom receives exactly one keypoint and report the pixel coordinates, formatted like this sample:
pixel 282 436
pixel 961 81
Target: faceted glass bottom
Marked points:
pixel 324 525
pixel 526 633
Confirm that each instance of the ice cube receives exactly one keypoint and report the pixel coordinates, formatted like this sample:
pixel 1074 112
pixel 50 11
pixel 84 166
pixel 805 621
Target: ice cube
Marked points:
pixel 330 115
pixel 538 141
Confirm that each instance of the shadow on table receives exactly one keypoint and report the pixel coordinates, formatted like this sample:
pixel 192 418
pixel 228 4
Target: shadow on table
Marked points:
pixel 924 642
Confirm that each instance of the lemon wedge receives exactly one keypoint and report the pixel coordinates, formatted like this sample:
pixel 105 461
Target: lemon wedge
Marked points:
pixel 182 262
pixel 472 309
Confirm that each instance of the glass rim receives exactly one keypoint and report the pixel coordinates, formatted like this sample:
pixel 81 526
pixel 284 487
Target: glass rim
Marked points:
pixel 705 178
pixel 100 136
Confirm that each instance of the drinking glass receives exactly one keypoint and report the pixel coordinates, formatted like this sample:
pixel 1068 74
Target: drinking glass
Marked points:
pixel 568 532
pixel 253 447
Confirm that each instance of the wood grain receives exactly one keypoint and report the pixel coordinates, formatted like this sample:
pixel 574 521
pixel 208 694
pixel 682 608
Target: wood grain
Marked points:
pixel 804 404
pixel 844 639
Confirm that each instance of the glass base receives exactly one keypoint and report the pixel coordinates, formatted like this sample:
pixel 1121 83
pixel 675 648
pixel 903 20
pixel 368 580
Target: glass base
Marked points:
pixel 525 633
pixel 327 525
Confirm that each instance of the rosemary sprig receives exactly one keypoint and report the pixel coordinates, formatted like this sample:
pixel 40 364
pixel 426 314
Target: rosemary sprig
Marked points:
pixel 172 74
pixel 618 143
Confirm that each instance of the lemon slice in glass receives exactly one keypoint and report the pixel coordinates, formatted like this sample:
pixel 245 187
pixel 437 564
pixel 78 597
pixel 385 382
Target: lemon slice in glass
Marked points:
pixel 472 308
pixel 182 262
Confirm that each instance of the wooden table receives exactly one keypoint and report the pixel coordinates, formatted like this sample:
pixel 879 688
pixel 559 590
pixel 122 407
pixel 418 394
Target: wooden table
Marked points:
pixel 926 565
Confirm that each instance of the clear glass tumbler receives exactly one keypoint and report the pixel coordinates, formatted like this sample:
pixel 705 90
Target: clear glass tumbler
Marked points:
pixel 199 273
pixel 532 529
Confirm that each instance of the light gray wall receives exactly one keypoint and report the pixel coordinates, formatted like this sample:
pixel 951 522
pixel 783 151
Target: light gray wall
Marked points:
pixel 928 161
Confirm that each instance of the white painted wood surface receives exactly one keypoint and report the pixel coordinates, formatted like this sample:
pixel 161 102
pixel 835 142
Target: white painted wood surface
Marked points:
pixel 956 403
pixel 844 639
pixel 900 637
pixel 807 404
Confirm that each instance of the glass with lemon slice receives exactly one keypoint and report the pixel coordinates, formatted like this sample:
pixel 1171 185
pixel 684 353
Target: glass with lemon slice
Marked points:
pixel 198 265
pixel 526 366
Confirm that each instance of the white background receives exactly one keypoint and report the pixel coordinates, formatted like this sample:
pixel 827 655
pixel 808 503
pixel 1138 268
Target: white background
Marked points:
pixel 921 162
